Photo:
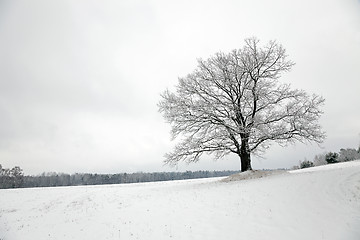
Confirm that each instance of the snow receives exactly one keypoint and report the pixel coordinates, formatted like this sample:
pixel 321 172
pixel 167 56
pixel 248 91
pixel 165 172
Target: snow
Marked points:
pixel 316 203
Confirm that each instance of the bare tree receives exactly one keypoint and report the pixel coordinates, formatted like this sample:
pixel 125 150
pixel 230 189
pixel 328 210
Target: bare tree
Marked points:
pixel 320 159
pixel 233 103
pixel 348 154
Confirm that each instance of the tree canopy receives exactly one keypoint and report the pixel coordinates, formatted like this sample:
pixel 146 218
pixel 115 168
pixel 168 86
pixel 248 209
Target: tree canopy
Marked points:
pixel 234 103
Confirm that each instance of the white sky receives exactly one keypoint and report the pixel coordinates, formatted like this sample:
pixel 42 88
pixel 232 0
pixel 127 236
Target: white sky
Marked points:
pixel 80 80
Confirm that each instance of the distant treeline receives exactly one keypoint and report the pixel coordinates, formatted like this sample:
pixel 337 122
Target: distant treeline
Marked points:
pixel 14 178
pixel 11 178
pixel 344 155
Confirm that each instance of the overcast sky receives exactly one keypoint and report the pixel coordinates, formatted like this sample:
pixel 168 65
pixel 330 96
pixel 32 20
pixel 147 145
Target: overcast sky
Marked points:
pixel 80 80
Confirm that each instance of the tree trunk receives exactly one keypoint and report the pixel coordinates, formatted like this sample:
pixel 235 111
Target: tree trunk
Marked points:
pixel 245 155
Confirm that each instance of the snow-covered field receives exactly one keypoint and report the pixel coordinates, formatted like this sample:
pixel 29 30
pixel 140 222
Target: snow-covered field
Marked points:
pixel 316 203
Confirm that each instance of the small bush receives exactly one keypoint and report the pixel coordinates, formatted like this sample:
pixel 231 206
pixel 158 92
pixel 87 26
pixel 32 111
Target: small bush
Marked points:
pixel 332 157
pixel 306 164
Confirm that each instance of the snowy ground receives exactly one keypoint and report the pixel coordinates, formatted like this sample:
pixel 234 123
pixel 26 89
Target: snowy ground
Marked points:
pixel 316 203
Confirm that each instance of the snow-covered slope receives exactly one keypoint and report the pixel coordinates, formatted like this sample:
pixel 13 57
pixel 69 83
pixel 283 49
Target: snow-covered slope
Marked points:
pixel 321 203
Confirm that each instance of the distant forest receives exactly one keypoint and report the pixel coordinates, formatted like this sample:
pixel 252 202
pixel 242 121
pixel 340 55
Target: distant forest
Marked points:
pixel 14 178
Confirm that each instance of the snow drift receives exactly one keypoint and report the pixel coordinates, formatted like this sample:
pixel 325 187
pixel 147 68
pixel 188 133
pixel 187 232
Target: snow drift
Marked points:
pixel 316 203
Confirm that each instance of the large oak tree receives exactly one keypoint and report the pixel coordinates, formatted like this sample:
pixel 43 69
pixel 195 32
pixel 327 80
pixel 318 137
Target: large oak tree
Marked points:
pixel 234 103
